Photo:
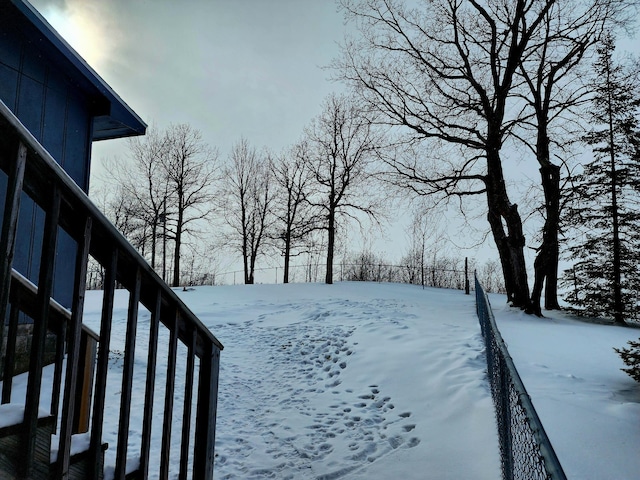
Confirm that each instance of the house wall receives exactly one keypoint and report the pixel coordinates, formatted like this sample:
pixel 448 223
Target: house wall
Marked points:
pixel 58 114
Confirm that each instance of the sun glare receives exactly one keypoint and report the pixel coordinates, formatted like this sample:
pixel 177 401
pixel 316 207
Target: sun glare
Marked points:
pixel 80 25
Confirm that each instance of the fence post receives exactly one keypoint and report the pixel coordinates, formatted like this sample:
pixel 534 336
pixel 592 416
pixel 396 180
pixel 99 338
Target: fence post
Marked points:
pixel 466 275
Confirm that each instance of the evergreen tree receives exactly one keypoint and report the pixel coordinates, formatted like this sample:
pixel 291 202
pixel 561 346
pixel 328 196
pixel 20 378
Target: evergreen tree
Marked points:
pixel 631 357
pixel 604 279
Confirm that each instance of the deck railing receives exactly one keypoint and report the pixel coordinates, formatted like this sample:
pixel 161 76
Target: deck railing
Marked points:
pixel 525 450
pixel 30 168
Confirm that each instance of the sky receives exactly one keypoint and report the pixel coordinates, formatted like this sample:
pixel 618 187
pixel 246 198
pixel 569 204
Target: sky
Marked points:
pixel 249 68
pixel 233 69
pixel 254 69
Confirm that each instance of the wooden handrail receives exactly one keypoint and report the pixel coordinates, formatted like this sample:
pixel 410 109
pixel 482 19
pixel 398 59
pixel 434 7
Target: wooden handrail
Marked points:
pixel 24 292
pixel 34 172
pixel 42 171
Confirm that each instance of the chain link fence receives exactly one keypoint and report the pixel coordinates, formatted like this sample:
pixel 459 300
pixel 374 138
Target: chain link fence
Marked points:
pixel 351 272
pixel 525 450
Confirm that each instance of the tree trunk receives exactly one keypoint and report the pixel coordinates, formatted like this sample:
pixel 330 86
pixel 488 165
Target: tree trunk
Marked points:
pixel 510 244
pixel 546 262
pixel 164 242
pixel 330 244
pixel 154 236
pixel 252 266
pixel 245 240
pixel 618 306
pixel 176 254
pixel 287 255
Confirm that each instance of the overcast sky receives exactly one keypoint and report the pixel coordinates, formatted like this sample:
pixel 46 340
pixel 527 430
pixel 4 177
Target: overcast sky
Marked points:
pixel 230 68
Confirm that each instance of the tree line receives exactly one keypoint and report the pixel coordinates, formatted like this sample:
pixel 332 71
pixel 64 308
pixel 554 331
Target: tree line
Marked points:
pixel 459 80
pixel 173 187
pixel 440 96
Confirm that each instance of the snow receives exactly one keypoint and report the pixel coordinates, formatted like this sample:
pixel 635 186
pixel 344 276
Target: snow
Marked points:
pixel 350 380
pixel 345 381
pixel 366 380
pixel 589 408
pixel 13 414
pixel 79 443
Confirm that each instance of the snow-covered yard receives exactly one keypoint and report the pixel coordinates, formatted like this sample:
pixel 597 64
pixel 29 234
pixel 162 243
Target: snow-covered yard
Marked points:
pixel 366 380
pixel 349 381
pixel 589 408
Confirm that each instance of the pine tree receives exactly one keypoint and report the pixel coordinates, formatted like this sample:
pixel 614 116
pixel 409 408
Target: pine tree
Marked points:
pixel 604 279
pixel 631 357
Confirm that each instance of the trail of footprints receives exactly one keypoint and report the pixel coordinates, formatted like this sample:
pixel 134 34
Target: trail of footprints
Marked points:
pixel 368 420
pixel 357 427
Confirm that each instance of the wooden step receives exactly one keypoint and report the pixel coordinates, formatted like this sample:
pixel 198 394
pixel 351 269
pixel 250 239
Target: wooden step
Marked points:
pixel 81 465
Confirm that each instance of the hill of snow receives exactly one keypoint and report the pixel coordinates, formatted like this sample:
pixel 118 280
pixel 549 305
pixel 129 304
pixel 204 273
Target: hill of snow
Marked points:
pixel 366 380
pixel 353 380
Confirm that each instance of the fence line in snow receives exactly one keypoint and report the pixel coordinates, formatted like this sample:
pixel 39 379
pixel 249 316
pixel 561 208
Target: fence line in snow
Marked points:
pixel 379 272
pixel 525 450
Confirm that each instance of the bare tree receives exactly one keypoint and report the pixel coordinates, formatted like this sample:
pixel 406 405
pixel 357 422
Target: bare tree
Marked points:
pixel 190 168
pixel 162 190
pixel 146 182
pixel 137 189
pixel 413 260
pixel 344 141
pixel 292 179
pixel 550 70
pixel 247 202
pixel 120 205
pixel 445 73
pixel 126 219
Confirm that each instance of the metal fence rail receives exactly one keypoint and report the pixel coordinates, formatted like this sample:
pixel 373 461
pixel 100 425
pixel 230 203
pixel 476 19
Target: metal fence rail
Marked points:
pixel 525 450
pixel 351 272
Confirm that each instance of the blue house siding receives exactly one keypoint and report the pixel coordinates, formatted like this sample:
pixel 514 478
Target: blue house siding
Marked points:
pixel 46 102
pixel 58 117
pixel 65 106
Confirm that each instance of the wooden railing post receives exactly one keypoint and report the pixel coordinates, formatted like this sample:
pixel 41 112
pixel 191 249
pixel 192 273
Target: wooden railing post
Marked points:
pixel 205 435
pixel 73 353
pixel 103 364
pixel 84 382
pixel 8 238
pixel 150 387
pixel 127 379
pixel 10 354
pixel 45 288
pixel 186 412
pixel 169 394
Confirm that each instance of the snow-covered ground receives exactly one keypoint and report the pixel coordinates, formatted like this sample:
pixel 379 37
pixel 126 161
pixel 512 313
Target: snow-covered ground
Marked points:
pixel 365 380
pixel 352 380
pixel 349 381
pixel 589 408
